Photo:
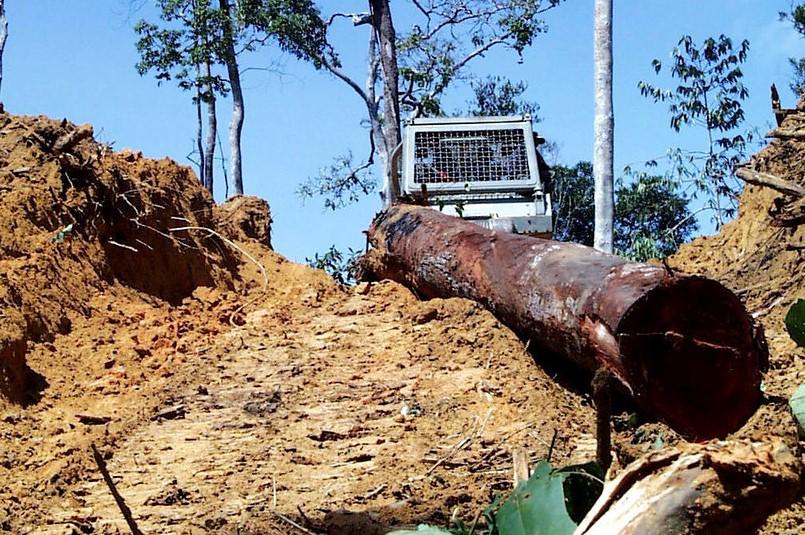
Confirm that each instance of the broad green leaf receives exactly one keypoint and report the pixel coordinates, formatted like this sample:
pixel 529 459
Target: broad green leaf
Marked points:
pixel 551 502
pixel 795 322
pixel 797 404
pixel 422 530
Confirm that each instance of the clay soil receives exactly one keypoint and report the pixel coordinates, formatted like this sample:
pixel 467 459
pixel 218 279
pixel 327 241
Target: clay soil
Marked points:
pixel 233 391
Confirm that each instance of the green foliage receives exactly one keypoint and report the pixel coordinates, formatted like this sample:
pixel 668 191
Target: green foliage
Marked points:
pixel 551 502
pixel 340 184
pixel 651 218
pixel 651 215
pixel 795 322
pixel 796 16
pixel 573 208
pixel 338 265
pixel 191 38
pixel 495 95
pixel 797 404
pixel 709 95
pixel 196 33
pixel 434 52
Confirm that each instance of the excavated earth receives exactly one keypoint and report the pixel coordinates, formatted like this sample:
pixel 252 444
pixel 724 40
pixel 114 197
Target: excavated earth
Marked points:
pixel 232 391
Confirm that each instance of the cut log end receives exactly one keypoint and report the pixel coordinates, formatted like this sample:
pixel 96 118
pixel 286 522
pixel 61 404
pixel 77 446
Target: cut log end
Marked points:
pixel 692 356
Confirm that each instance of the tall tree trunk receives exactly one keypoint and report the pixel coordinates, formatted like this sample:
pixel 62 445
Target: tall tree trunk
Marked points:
pixel 199 130
pixel 382 23
pixel 604 127
pixel 3 35
pixel 212 132
pixel 238 109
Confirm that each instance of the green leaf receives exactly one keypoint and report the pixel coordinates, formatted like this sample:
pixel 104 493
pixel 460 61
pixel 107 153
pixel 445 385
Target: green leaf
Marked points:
pixel 795 322
pixel 797 404
pixel 551 502
pixel 422 530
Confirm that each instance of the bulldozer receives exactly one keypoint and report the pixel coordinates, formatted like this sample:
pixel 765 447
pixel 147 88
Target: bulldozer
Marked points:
pixel 487 170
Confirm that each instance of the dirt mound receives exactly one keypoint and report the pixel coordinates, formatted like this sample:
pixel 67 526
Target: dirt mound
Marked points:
pixel 82 219
pixel 756 255
pixel 245 217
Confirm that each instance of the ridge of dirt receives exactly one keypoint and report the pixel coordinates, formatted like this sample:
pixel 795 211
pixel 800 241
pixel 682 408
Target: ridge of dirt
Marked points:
pixel 81 220
pixel 751 256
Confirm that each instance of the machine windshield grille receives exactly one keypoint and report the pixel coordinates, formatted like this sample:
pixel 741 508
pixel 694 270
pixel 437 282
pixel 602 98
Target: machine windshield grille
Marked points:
pixel 470 156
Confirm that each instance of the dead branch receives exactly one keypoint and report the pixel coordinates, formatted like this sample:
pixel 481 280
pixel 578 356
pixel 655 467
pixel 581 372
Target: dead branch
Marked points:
pixel 770 181
pixel 121 504
pixel 779 133
pixel 732 486
pixel 67 141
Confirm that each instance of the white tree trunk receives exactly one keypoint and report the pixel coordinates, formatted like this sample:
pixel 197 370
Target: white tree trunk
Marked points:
pixel 238 108
pixel 199 130
pixel 3 35
pixel 383 25
pixel 604 127
pixel 212 132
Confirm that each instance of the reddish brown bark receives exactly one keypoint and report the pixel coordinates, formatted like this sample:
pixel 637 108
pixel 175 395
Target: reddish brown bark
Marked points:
pixel 683 347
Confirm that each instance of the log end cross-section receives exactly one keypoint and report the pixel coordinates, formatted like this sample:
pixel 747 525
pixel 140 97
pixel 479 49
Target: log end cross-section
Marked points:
pixel 683 347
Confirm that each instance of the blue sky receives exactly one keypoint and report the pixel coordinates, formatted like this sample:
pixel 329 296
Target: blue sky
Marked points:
pixel 76 60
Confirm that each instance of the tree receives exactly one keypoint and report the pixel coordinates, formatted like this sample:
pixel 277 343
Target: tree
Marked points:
pixel 572 199
pixel 604 127
pixel 495 95
pixel 709 96
pixel 198 38
pixel 185 51
pixel 3 35
pixel 796 16
pixel 444 38
pixel 651 216
pixel 230 59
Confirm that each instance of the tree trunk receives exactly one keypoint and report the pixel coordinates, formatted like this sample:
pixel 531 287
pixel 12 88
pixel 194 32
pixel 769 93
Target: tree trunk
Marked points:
pixel 212 132
pixel 200 130
pixel 3 36
pixel 604 127
pixel 718 488
pixel 684 348
pixel 382 24
pixel 238 109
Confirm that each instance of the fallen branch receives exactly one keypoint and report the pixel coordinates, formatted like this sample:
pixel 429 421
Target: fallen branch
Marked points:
pixel 682 347
pixel 121 504
pixel 720 487
pixel 778 133
pixel 770 181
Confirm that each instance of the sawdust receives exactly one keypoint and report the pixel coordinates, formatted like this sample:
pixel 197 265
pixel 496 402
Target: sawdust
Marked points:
pixel 342 410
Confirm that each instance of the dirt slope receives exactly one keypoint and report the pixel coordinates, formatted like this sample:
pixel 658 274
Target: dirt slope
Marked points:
pixel 231 397
pixel 752 256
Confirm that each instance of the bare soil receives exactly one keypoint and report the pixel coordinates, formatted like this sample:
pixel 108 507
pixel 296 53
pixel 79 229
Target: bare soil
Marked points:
pixel 228 399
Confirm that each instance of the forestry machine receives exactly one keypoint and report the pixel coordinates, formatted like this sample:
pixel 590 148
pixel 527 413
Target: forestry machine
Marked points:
pixel 484 169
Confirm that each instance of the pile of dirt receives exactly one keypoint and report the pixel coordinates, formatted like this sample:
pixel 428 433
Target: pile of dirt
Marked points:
pixel 245 217
pixel 80 220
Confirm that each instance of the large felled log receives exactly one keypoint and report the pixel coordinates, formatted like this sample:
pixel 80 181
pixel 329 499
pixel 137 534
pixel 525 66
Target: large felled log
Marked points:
pixel 718 488
pixel 684 348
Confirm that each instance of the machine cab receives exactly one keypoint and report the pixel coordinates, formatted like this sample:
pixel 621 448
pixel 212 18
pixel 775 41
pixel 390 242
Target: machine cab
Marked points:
pixel 484 169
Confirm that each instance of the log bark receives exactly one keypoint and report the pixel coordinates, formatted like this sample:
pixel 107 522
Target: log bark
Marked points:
pixel 683 347
pixel 716 488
